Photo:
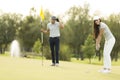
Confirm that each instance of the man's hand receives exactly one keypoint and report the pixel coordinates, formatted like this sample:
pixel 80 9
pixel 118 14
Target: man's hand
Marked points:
pixel 44 31
pixel 61 25
pixel 60 22
pixel 97 47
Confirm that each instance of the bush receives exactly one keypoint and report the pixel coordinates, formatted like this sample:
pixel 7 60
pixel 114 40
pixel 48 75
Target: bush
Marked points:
pixel 46 52
pixel 64 53
pixel 37 46
pixel 89 48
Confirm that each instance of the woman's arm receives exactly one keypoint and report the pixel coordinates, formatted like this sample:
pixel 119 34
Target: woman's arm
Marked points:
pixel 98 40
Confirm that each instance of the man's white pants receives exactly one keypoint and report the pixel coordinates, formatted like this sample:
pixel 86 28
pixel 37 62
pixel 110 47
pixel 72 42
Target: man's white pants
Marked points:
pixel 109 44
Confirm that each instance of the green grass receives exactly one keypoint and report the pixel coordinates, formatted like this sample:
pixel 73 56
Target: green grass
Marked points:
pixel 32 69
pixel 95 61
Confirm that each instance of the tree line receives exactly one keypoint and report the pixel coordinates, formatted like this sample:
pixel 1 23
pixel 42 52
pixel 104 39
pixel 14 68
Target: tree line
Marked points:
pixel 75 36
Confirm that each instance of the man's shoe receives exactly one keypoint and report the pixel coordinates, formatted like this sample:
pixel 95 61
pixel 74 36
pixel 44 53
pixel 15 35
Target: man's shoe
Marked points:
pixel 56 64
pixel 52 64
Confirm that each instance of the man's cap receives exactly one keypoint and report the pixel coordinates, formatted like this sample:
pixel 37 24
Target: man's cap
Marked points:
pixel 53 18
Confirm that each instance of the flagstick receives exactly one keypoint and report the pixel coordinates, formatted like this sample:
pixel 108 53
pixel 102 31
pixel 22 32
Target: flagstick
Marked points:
pixel 42 43
pixel 42 18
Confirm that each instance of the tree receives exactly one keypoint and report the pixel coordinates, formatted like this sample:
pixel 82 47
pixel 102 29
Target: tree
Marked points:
pixel 30 30
pixel 89 48
pixel 9 23
pixel 78 27
pixel 37 46
pixel 113 22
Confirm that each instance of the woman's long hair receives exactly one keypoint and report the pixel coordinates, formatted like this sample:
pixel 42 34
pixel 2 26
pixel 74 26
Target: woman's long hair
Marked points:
pixel 96 30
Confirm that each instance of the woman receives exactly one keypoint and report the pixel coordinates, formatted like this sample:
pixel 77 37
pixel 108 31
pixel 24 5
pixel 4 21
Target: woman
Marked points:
pixel 100 29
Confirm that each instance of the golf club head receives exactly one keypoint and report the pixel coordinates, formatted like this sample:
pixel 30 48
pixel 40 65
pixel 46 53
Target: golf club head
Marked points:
pixel 97 52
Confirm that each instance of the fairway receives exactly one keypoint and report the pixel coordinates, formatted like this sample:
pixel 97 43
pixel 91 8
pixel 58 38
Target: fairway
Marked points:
pixel 31 69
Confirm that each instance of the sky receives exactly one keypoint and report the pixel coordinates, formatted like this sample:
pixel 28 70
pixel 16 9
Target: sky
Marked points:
pixel 59 7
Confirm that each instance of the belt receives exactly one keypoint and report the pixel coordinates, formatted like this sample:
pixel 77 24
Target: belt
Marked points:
pixel 54 37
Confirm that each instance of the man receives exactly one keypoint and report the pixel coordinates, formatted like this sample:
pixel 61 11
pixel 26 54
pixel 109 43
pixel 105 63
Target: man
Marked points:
pixel 53 28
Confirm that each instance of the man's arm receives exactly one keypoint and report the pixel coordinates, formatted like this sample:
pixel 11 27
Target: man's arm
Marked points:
pixel 45 31
pixel 61 25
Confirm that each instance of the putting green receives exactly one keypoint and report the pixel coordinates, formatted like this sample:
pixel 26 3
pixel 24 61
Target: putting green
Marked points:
pixel 31 69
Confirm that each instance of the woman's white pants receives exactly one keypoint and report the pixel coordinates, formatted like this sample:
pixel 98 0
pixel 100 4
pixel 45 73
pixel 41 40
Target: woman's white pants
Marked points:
pixel 108 46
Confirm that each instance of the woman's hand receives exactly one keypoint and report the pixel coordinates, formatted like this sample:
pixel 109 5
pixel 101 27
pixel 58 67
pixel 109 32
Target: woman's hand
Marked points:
pixel 42 30
pixel 97 47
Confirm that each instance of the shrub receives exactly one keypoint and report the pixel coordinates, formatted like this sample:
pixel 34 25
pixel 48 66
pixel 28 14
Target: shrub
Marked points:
pixel 89 48
pixel 37 47
pixel 64 53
